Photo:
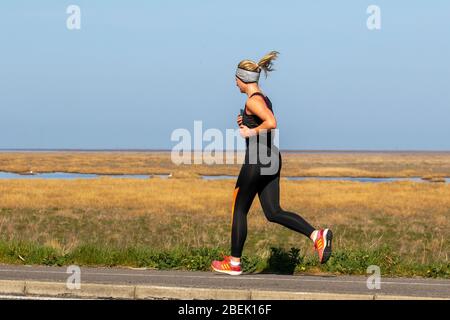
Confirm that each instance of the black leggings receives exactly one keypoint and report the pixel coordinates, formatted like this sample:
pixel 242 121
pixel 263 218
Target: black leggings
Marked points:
pixel 249 183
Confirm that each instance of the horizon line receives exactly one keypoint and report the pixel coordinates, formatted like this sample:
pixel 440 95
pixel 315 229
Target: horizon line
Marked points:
pixel 223 150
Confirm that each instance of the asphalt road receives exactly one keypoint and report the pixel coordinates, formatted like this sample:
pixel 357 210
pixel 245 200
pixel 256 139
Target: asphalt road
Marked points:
pixel 412 287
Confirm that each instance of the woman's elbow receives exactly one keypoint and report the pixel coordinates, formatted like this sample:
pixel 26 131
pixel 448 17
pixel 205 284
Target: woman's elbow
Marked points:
pixel 272 124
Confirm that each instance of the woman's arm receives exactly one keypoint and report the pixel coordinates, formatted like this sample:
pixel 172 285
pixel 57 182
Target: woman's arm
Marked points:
pixel 258 107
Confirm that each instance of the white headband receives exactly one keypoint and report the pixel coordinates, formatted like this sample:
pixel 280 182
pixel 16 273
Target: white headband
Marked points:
pixel 247 76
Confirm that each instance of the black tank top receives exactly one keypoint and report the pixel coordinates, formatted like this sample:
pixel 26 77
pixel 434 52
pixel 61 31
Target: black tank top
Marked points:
pixel 252 121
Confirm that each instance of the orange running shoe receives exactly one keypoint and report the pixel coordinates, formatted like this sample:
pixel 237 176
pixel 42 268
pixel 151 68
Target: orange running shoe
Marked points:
pixel 323 244
pixel 225 266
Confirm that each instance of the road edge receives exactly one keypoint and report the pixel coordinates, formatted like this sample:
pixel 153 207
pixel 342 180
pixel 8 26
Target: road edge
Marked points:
pixel 25 288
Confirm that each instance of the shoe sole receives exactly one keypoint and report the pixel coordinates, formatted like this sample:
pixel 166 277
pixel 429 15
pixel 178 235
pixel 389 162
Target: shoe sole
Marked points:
pixel 230 272
pixel 327 251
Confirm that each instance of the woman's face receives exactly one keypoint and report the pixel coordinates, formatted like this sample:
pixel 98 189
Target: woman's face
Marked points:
pixel 241 85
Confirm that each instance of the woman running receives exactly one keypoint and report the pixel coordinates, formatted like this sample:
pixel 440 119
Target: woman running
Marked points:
pixel 255 124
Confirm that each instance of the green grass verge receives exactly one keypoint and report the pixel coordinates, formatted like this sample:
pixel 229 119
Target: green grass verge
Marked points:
pixel 278 260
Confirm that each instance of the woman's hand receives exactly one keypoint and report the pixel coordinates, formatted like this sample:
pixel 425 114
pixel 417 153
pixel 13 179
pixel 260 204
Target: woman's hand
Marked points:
pixel 246 132
pixel 239 120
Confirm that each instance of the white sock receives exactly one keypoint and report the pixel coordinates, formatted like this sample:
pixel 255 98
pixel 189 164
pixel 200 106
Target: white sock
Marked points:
pixel 314 235
pixel 235 263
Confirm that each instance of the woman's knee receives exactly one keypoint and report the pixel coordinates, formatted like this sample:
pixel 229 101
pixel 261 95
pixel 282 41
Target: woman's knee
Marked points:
pixel 272 214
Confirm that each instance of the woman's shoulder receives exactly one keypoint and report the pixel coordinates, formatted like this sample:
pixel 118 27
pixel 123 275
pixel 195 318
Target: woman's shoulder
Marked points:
pixel 257 98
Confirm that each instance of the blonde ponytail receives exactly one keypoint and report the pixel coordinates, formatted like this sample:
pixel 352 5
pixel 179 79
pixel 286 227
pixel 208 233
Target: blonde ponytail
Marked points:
pixel 266 62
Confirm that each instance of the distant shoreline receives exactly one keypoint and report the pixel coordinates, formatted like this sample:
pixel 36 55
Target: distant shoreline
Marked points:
pixel 168 150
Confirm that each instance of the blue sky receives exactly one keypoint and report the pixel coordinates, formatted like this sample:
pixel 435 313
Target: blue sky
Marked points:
pixel 137 70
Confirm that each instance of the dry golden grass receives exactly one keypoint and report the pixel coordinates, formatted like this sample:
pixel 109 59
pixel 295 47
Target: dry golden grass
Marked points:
pixel 413 218
pixel 185 211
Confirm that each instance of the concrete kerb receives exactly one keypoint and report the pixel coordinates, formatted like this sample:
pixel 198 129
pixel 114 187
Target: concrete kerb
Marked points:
pixel 110 291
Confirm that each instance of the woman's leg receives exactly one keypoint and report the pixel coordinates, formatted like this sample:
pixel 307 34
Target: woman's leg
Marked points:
pixel 244 193
pixel 269 196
